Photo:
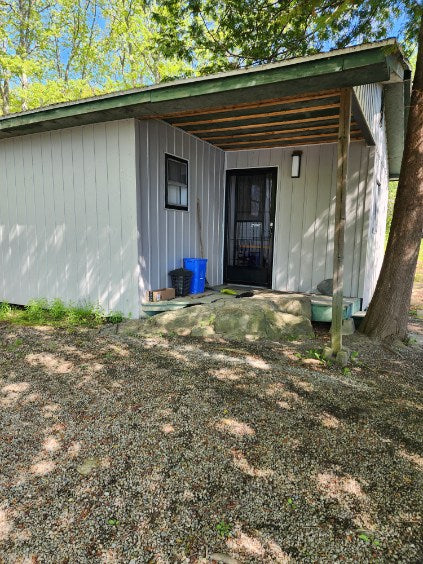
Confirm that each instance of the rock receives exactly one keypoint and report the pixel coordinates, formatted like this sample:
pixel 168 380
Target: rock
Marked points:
pixel 295 304
pixel 342 357
pixel 326 287
pixel 88 466
pixel 199 331
pixel 271 316
pixel 224 558
pixel 348 326
pixel 327 353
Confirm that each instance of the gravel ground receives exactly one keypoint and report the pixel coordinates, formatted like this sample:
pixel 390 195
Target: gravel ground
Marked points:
pixel 116 449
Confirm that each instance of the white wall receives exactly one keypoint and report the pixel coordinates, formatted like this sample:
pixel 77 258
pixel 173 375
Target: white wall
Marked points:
pixel 68 216
pixel 305 207
pixel 167 236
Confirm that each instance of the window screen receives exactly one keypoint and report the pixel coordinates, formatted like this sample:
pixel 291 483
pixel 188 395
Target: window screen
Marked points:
pixel 176 183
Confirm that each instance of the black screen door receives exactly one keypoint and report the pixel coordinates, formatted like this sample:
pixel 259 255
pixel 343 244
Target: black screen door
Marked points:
pixel 250 216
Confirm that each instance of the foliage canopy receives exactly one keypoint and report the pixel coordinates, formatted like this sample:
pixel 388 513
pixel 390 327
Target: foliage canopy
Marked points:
pixel 69 49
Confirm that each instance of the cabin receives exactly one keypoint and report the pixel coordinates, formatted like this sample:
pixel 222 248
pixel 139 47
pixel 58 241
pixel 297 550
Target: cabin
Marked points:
pixel 274 173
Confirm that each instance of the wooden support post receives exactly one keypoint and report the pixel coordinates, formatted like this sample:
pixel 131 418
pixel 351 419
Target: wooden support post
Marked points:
pixel 340 213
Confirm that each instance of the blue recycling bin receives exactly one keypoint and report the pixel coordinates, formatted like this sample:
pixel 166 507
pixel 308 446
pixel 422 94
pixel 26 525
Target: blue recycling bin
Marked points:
pixel 198 266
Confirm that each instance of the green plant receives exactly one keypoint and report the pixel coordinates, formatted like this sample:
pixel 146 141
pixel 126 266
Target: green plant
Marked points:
pixel 85 314
pixel 36 310
pixel 5 310
pixel 291 503
pixel 113 522
pixel 346 371
pixel 369 539
pixel 55 312
pixel 224 529
pixel 115 317
pixel 289 337
pixel 14 345
pixel 317 354
pixel 57 309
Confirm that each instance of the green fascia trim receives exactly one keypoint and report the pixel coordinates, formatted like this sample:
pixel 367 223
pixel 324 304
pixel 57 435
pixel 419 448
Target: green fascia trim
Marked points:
pixel 81 108
pixel 367 66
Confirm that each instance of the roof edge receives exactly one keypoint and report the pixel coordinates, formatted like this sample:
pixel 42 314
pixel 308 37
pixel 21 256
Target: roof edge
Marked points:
pixel 391 42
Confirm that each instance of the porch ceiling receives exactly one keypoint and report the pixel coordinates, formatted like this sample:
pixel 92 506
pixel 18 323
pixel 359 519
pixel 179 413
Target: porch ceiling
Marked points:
pixel 277 122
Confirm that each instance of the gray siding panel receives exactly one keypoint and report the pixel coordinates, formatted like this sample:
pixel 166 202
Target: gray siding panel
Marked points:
pixel 68 217
pixel 167 236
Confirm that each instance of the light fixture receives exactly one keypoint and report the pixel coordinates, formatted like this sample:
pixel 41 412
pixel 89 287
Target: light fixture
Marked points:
pixel 296 164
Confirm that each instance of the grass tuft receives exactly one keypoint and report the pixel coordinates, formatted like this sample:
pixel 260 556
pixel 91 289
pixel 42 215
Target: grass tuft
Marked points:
pixel 57 313
pixel 5 311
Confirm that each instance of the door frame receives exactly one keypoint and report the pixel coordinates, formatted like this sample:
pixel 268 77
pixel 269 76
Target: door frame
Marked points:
pixel 240 172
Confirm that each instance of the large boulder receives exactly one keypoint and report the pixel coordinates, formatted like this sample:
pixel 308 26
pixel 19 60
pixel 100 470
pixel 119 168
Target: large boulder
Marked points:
pixel 295 304
pixel 264 316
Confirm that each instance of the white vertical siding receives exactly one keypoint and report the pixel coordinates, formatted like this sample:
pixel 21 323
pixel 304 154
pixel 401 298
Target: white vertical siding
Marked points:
pixel 68 225
pixel 370 98
pixel 167 236
pixel 305 207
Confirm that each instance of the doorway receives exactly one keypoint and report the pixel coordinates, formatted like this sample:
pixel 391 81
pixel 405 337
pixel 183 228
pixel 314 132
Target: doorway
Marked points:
pixel 250 219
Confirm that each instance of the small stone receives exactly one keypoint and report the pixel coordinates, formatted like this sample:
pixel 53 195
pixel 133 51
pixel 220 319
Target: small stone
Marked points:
pixel 327 353
pixel 223 558
pixel 325 287
pixel 342 357
pixel 348 326
pixel 88 466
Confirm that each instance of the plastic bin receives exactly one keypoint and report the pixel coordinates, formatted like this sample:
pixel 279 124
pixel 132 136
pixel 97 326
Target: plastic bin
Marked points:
pixel 181 281
pixel 198 266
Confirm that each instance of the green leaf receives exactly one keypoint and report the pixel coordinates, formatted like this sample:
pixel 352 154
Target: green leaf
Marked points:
pixel 112 522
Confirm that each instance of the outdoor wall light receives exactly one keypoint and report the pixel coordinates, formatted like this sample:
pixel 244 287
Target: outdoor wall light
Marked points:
pixel 296 164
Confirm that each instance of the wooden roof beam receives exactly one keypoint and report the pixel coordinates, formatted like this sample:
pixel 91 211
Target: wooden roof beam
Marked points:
pixel 293 144
pixel 250 105
pixel 268 124
pixel 256 116
pixel 275 132
pixel 315 136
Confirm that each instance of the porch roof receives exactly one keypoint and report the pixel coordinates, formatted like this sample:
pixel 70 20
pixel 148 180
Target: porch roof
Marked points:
pixel 294 102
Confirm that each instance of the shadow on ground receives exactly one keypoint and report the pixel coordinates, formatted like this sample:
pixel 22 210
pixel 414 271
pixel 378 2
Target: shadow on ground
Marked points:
pixel 168 450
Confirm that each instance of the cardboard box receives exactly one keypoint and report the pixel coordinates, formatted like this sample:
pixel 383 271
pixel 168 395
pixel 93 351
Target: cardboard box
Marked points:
pixel 160 295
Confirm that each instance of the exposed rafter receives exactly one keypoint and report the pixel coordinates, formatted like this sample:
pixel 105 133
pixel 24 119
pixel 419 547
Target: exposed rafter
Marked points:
pixel 308 118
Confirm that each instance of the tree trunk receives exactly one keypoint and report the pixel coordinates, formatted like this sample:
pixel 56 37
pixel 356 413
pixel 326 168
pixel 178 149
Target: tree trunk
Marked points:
pixel 5 97
pixel 24 83
pixel 387 315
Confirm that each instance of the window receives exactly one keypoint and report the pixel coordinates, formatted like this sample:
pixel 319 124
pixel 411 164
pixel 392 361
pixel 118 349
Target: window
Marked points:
pixel 176 183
